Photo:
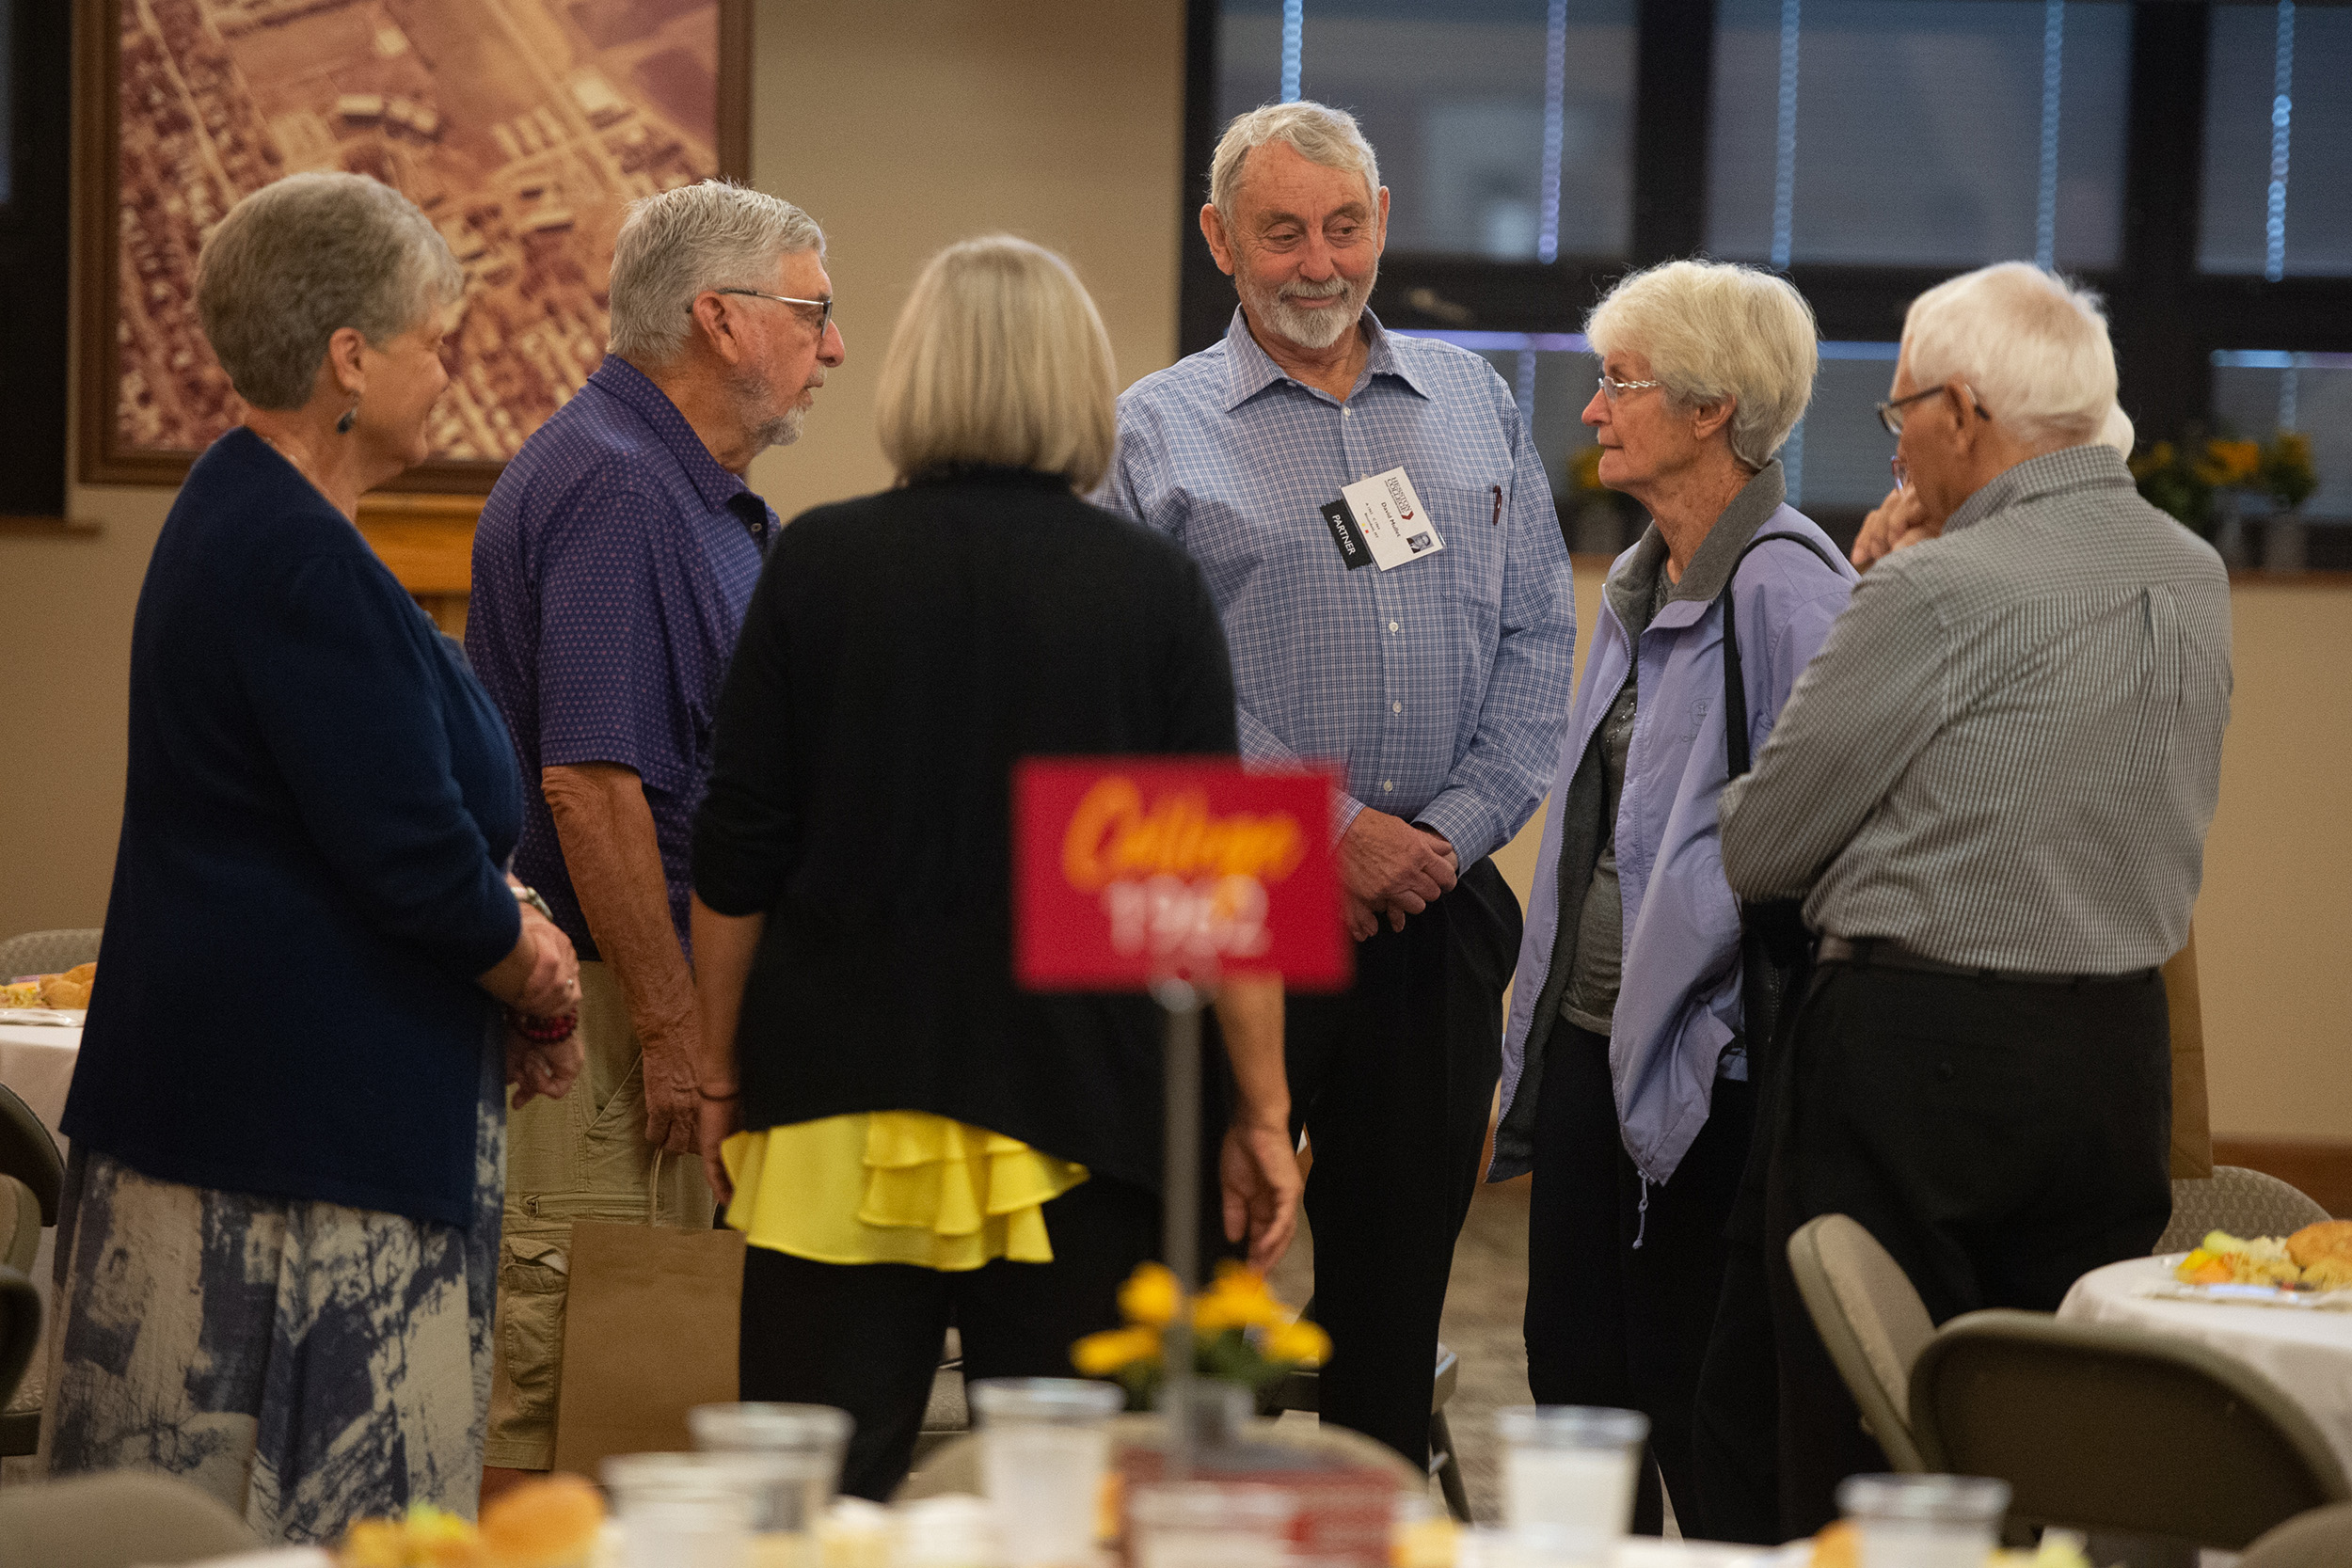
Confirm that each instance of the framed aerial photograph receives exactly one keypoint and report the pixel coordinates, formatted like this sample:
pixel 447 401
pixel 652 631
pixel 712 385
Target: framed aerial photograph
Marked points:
pixel 523 128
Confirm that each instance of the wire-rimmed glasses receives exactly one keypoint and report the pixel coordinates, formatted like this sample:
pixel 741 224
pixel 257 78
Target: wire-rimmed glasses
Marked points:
pixel 824 304
pixel 1610 386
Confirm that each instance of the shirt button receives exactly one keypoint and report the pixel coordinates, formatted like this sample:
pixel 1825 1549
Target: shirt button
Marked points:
pixel 1387 785
pixel 1396 708
pixel 1393 625
pixel 1345 412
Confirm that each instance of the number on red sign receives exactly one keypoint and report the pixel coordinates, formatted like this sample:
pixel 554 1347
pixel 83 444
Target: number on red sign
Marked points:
pixel 1222 917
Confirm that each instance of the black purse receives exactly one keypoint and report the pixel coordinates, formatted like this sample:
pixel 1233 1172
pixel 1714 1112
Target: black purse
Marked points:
pixel 1775 949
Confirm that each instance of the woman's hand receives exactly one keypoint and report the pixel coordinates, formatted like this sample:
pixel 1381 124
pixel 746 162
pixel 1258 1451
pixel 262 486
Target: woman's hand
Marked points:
pixel 534 1067
pixel 1258 1171
pixel 541 976
pixel 718 1121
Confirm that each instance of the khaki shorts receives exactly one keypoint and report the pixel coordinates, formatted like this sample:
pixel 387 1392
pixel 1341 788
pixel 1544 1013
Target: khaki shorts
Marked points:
pixel 583 1157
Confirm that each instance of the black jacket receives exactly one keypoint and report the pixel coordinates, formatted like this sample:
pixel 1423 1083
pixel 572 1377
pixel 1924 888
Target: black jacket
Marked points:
pixel 900 653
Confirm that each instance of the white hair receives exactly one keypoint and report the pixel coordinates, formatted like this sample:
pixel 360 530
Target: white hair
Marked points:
pixel 683 242
pixel 1713 331
pixel 2032 346
pixel 1315 131
pixel 303 257
pixel 2118 431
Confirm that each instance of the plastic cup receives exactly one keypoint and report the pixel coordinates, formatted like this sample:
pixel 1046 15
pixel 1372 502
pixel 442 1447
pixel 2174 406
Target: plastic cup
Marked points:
pixel 1568 1479
pixel 1206 1523
pixel 1924 1521
pixel 802 1444
pixel 1044 1444
pixel 683 1509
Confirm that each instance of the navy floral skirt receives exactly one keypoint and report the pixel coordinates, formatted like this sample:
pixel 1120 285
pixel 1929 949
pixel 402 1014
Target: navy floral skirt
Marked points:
pixel 307 1363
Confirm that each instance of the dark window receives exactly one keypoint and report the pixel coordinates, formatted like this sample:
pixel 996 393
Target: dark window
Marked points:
pixel 2192 162
pixel 2277 143
pixel 35 68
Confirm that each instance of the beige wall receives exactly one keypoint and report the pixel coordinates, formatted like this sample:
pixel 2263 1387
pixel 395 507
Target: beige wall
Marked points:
pixel 906 126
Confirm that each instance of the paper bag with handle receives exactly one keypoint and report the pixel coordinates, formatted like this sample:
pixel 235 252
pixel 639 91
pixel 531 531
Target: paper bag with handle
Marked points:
pixel 649 1333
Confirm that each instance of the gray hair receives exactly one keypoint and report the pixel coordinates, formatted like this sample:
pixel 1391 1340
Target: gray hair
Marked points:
pixel 1315 131
pixel 683 242
pixel 303 257
pixel 1713 331
pixel 2032 346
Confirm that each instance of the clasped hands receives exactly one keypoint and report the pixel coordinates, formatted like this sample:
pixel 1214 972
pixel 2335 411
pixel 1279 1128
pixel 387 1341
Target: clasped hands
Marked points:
pixel 540 978
pixel 1388 866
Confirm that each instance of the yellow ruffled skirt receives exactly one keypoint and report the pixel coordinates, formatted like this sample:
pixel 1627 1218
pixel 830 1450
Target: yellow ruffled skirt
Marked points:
pixel 894 1187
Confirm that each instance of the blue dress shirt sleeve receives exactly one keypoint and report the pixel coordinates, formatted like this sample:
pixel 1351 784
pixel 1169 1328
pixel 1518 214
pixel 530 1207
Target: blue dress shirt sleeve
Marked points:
pixel 1501 779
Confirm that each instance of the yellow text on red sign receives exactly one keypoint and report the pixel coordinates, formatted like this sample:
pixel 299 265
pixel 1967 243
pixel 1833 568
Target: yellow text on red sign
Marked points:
pixel 1113 837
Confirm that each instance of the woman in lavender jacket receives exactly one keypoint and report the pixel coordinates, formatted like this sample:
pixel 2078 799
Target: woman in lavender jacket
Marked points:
pixel 1624 1083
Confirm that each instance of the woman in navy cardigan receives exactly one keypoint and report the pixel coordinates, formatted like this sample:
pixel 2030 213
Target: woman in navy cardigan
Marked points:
pixel 281 1243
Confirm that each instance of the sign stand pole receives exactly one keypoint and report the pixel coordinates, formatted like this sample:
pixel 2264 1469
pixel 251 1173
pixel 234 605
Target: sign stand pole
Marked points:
pixel 1181 1208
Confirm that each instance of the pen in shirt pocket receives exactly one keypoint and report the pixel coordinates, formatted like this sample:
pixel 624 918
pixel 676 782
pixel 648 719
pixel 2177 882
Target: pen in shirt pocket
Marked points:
pixel 1496 520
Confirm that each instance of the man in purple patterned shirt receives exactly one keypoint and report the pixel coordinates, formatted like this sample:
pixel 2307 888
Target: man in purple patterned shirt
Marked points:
pixel 610 572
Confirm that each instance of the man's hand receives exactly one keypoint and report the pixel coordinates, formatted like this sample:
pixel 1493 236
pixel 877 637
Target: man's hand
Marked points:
pixel 672 1119
pixel 533 1069
pixel 716 1121
pixel 1258 1170
pixel 1388 866
pixel 1899 522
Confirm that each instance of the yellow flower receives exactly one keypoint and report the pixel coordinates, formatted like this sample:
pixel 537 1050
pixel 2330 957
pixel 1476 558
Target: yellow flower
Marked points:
pixel 2230 462
pixel 1114 1349
pixel 1239 1299
pixel 375 1544
pixel 1301 1343
pixel 1585 470
pixel 1150 1295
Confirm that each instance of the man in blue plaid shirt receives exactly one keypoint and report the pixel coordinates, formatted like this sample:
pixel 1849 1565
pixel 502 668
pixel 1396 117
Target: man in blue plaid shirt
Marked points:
pixel 1433 664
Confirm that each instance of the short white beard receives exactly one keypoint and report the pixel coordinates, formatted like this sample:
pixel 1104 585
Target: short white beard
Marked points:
pixel 1316 330
pixel 763 422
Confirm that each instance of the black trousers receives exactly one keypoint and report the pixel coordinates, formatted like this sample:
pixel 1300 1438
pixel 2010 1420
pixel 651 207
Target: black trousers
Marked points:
pixel 1623 1276
pixel 1392 1081
pixel 865 1337
pixel 1998 1139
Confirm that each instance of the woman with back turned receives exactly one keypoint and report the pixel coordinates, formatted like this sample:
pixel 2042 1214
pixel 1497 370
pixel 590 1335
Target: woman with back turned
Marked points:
pixel 916 1142
pixel 281 1225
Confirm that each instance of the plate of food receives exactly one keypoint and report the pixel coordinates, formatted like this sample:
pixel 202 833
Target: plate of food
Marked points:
pixel 65 991
pixel 2311 1269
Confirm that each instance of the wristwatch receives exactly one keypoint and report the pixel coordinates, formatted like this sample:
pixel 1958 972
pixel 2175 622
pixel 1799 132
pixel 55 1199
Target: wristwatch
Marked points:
pixel 531 895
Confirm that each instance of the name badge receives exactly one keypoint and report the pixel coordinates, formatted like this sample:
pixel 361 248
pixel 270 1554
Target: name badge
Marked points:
pixel 1382 517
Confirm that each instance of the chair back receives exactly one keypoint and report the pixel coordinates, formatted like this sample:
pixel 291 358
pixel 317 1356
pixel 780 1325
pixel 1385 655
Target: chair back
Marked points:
pixel 2106 1428
pixel 20 1332
pixel 28 1153
pixel 2320 1539
pixel 2240 1201
pixel 118 1520
pixel 48 952
pixel 1872 1322
pixel 19 1225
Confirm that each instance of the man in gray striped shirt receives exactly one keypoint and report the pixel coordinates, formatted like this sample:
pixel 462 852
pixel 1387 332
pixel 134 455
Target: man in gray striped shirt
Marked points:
pixel 1991 789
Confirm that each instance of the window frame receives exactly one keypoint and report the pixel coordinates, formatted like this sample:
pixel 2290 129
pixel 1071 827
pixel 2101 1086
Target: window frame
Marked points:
pixel 2170 318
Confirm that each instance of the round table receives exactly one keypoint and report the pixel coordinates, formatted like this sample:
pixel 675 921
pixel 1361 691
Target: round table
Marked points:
pixel 2306 1350
pixel 37 1061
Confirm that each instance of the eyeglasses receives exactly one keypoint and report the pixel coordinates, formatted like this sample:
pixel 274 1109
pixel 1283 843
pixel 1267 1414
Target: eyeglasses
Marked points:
pixel 1610 389
pixel 824 304
pixel 1891 414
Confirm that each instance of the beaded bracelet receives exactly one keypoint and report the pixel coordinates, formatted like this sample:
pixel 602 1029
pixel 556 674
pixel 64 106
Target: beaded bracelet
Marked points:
pixel 542 1031
pixel 531 895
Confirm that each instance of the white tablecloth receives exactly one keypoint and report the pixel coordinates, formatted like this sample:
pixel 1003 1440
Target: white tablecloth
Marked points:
pixel 2307 1352
pixel 37 1061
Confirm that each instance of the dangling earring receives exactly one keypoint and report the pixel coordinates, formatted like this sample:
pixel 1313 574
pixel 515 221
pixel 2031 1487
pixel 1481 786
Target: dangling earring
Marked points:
pixel 351 415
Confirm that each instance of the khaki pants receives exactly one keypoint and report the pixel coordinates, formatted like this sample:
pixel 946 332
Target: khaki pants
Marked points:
pixel 583 1157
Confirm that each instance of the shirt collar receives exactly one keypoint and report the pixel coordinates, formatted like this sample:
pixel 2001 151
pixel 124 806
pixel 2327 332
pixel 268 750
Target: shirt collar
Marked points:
pixel 2067 468
pixel 1250 369
pixel 634 390
pixel 1718 553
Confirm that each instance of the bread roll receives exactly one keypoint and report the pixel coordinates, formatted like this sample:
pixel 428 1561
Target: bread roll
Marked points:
pixel 550 1523
pixel 2327 1239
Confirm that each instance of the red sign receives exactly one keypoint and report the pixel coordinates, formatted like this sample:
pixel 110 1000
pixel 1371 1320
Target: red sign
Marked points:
pixel 1131 869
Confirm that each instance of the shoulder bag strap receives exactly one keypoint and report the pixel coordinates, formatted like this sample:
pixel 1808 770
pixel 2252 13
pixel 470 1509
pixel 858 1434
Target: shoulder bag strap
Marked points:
pixel 1735 687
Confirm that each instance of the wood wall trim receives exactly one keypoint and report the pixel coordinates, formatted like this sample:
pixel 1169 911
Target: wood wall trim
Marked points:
pixel 2323 1169
pixel 426 540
